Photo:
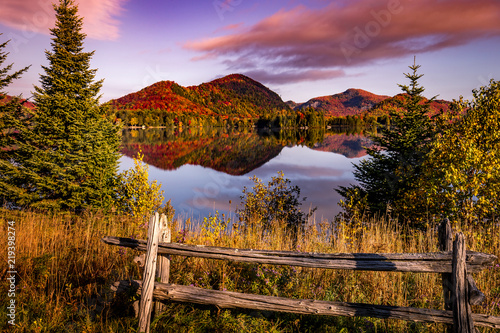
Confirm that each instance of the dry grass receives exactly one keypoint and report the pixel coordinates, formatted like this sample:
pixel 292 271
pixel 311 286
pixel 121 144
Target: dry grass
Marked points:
pixel 63 269
pixel 64 273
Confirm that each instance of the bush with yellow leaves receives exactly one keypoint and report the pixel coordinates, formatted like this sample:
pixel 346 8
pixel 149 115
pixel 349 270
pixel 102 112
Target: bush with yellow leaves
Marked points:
pixel 137 196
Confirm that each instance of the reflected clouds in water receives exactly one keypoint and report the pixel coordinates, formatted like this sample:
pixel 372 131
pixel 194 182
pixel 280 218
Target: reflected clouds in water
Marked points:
pixel 197 191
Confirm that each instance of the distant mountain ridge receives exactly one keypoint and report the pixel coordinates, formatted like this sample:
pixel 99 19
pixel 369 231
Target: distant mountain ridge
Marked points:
pixel 238 96
pixel 392 104
pixel 4 99
pixel 348 103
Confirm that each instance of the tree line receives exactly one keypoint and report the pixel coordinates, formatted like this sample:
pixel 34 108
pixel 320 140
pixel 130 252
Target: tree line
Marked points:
pixel 276 119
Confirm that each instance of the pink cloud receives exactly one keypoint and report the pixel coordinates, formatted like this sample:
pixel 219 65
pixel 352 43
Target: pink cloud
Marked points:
pixel 293 76
pixel 230 27
pixel 38 16
pixel 352 33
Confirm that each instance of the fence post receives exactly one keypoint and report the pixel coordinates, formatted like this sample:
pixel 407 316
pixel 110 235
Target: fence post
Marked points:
pixel 149 274
pixel 445 235
pixel 462 314
pixel 163 268
pixel 445 238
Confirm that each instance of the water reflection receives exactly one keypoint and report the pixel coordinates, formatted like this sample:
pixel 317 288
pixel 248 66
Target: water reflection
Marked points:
pixel 204 172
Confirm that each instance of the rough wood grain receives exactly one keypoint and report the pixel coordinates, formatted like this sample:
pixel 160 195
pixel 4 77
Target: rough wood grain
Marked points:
pixel 445 235
pixel 227 299
pixel 438 262
pixel 476 296
pixel 445 240
pixel 163 265
pixel 462 314
pixel 149 274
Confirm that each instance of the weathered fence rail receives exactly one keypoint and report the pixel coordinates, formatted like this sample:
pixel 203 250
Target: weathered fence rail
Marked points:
pixel 459 288
pixel 438 262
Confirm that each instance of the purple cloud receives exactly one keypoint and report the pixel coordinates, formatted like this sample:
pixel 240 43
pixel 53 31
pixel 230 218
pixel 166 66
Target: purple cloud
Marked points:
pixel 306 44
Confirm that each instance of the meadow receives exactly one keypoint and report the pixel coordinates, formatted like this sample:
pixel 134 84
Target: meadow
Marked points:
pixel 65 273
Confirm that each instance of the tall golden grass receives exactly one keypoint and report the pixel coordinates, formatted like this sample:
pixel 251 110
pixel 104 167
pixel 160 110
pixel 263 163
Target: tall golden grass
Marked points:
pixel 64 274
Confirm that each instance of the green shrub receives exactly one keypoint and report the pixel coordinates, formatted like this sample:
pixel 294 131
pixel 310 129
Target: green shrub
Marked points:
pixel 277 201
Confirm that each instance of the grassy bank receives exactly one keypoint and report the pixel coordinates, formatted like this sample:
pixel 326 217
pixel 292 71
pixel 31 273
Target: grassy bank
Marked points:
pixel 64 274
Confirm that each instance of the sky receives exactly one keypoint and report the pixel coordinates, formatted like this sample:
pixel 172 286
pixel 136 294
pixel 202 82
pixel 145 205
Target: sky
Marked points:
pixel 299 49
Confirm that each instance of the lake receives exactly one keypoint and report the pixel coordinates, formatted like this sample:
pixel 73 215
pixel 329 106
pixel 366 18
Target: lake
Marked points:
pixel 203 171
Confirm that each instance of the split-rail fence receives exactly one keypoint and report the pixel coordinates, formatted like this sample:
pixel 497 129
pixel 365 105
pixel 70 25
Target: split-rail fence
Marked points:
pixel 454 263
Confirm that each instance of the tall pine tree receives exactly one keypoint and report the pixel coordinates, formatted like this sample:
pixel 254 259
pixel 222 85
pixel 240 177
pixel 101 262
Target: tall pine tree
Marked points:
pixel 396 161
pixel 68 157
pixel 5 77
pixel 12 114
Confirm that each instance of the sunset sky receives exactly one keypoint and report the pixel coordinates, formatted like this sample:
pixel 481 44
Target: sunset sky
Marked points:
pixel 300 49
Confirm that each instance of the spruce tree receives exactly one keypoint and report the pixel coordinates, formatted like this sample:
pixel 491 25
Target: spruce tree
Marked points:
pixel 12 115
pixel 5 78
pixel 68 157
pixel 396 160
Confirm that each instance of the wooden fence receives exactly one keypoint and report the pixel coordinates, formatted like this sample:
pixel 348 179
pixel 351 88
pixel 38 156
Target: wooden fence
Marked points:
pixel 454 263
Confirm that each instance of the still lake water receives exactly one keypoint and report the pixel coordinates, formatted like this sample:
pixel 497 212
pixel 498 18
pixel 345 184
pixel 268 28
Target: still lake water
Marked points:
pixel 198 182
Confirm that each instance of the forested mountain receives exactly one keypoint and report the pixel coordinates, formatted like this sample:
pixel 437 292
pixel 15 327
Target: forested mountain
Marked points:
pixel 235 97
pixel 237 94
pixel 292 104
pixel 394 104
pixel 238 101
pixel 353 102
pixel 4 99
pixel 164 95
pixel 349 103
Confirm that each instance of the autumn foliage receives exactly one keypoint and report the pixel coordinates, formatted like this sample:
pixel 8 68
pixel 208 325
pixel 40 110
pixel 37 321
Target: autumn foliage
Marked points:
pixel 234 99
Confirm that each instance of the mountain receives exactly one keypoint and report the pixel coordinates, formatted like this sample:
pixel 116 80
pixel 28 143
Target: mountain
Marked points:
pixel 361 102
pixel 350 102
pixel 292 104
pixel 4 99
pixel 391 104
pixel 234 95
pixel 239 93
pixel 238 99
pixel 164 95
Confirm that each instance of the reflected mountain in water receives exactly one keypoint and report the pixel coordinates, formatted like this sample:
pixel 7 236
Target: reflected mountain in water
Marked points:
pixel 230 151
pixel 349 145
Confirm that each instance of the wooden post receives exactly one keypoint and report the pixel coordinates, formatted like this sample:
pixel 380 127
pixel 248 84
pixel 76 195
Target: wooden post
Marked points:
pixel 476 296
pixel 149 274
pixel 163 268
pixel 445 234
pixel 462 314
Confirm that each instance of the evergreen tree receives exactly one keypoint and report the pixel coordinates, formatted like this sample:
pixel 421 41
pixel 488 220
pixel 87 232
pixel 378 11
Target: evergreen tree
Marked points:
pixel 11 114
pixel 68 157
pixel 396 160
pixel 5 78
